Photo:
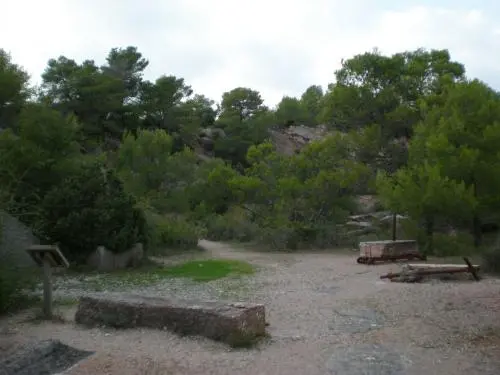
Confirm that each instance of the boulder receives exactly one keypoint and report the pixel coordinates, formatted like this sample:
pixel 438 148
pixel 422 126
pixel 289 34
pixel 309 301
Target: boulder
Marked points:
pixel 105 260
pixel 232 323
pixel 15 238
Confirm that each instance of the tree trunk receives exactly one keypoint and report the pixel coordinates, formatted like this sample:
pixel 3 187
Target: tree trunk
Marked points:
pixel 476 224
pixel 429 234
pixel 394 226
pixel 477 232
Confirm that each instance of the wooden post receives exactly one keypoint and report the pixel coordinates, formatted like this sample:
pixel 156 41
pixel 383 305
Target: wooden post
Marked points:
pixel 394 226
pixel 47 287
pixel 471 269
pixel 46 257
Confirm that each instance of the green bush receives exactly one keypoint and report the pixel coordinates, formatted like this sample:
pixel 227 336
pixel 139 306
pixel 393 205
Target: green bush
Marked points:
pixel 446 245
pixel 443 244
pixel 172 232
pixel 491 260
pixel 13 281
pixel 233 225
pixel 89 209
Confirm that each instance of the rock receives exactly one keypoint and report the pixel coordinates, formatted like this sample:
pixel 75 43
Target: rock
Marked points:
pixel 206 140
pixel 104 260
pixel 41 358
pixel 362 217
pixel 359 224
pixel 235 324
pixel 15 238
pixel 366 203
pixel 292 139
pixel 389 218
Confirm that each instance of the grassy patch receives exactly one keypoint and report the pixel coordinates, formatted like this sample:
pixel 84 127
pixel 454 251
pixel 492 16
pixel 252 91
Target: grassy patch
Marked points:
pixel 152 273
pixel 211 269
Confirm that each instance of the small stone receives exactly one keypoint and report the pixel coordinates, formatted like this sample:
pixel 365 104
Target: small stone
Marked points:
pixel 238 305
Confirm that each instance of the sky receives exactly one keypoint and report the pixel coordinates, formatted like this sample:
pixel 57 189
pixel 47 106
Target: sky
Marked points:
pixel 277 47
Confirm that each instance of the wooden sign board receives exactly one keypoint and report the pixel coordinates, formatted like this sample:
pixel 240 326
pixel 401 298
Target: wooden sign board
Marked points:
pixel 49 253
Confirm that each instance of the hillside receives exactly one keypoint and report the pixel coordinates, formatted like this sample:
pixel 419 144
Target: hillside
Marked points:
pixel 411 129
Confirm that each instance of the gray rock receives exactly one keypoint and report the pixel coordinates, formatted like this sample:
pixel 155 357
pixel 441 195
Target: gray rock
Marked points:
pixel 41 358
pixel 359 224
pixel 15 238
pixel 104 260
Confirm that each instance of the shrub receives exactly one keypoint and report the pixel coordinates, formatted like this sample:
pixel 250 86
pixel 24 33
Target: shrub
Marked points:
pixel 491 260
pixel 89 209
pixel 491 257
pixel 233 225
pixel 447 245
pixel 13 281
pixel 172 232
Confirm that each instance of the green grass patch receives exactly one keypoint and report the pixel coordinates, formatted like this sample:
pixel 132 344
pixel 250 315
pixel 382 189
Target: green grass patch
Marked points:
pixel 208 270
pixel 153 273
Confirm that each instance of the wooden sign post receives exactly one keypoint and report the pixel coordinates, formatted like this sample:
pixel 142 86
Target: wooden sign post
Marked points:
pixel 47 257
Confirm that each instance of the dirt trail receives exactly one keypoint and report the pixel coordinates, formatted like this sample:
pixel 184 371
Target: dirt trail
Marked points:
pixel 327 315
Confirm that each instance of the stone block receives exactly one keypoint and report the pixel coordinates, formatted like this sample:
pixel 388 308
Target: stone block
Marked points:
pixel 233 323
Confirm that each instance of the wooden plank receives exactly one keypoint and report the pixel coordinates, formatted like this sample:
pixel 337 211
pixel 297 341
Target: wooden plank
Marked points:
pixel 433 265
pixel 432 271
pixel 56 258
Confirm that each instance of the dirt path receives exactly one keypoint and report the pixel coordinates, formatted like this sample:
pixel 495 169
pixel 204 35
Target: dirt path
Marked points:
pixel 327 315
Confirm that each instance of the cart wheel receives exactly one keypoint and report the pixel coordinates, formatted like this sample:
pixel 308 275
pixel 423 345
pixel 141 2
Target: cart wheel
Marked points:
pixel 361 260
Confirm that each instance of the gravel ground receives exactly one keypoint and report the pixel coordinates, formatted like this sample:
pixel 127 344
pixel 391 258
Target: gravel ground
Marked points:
pixel 327 315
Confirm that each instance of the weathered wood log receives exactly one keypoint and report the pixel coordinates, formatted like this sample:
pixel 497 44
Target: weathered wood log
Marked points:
pixel 437 265
pixel 417 271
pixel 424 272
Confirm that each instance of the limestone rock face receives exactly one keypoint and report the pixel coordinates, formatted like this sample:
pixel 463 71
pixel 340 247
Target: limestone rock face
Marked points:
pixel 235 324
pixel 294 138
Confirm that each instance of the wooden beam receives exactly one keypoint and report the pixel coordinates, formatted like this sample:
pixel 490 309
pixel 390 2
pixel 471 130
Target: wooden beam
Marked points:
pixel 437 265
pixel 472 269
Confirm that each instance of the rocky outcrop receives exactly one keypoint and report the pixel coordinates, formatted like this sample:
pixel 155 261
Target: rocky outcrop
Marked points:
pixel 292 139
pixel 288 140
pixel 105 260
pixel 206 140
pixel 15 238
pixel 235 324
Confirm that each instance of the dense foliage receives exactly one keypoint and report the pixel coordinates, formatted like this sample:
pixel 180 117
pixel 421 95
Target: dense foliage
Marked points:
pixel 90 208
pixel 97 155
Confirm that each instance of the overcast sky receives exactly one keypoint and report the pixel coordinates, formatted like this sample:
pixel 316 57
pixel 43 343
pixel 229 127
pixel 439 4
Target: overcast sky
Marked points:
pixel 278 47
